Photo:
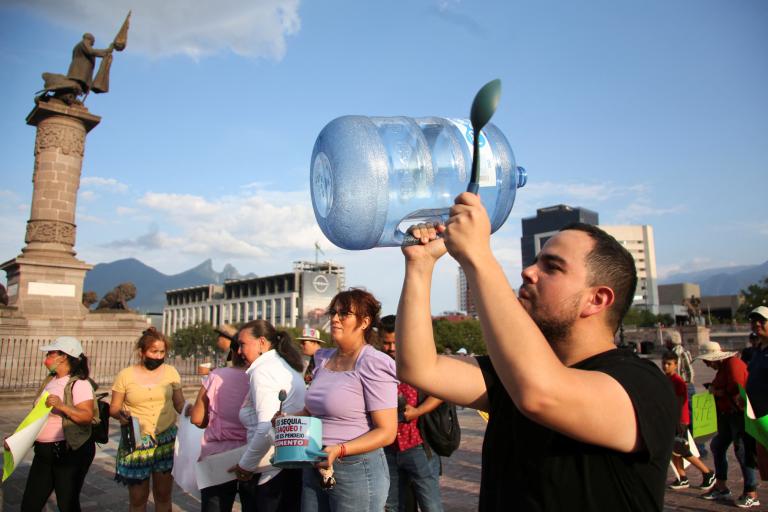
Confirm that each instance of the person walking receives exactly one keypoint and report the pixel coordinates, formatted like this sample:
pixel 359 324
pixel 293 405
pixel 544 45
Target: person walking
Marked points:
pixel 731 373
pixel 64 449
pixel 149 391
pixel 681 449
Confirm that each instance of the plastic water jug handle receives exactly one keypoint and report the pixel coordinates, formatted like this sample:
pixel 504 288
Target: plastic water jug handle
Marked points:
pixel 409 239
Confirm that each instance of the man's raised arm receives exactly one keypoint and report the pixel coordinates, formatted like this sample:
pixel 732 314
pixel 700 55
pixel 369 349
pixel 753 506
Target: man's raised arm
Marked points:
pixel 455 380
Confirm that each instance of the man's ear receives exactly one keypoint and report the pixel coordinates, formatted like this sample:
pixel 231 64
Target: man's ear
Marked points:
pixel 600 299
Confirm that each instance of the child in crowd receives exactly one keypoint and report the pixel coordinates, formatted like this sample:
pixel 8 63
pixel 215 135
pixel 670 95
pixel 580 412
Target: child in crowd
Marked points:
pixel 681 448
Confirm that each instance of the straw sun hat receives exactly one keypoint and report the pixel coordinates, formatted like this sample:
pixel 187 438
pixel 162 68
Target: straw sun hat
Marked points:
pixel 711 351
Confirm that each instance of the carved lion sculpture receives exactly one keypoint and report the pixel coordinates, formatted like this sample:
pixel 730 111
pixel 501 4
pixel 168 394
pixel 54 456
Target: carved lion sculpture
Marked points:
pixel 118 298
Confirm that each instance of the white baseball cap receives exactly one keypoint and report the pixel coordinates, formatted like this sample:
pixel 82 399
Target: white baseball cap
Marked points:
pixel 462 351
pixel 760 311
pixel 67 344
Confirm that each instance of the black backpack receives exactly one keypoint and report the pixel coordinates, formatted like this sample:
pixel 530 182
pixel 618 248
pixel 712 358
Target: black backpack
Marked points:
pixel 100 430
pixel 440 428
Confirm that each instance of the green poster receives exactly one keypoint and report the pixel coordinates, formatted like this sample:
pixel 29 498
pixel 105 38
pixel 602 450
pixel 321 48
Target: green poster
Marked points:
pixel 756 427
pixel 704 414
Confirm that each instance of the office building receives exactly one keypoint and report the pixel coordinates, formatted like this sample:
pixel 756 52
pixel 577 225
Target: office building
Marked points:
pixel 547 222
pixel 638 240
pixel 288 300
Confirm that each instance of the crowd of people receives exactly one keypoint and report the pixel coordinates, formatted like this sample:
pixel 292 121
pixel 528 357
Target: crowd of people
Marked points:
pixel 551 374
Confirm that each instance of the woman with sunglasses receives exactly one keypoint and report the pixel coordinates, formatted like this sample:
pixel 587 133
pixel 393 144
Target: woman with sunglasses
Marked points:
pixel 64 449
pixel 354 393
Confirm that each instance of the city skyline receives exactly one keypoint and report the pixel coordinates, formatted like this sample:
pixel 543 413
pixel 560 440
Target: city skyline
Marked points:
pixel 647 114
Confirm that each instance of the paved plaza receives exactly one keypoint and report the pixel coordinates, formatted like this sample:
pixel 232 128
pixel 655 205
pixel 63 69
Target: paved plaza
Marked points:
pixel 460 483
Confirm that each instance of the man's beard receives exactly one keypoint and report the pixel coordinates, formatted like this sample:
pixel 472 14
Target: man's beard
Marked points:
pixel 558 328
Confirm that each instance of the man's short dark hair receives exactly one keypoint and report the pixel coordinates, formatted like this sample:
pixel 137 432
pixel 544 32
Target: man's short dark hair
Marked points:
pixel 387 324
pixel 610 264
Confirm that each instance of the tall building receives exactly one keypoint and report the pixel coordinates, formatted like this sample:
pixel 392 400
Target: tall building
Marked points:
pixel 638 240
pixel 548 221
pixel 289 300
pixel 465 301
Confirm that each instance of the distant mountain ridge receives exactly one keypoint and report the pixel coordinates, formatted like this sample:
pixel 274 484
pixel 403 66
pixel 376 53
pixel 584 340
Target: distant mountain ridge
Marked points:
pixel 152 284
pixel 722 281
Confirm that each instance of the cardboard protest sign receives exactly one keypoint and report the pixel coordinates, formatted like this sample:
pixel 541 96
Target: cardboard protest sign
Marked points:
pixel 704 414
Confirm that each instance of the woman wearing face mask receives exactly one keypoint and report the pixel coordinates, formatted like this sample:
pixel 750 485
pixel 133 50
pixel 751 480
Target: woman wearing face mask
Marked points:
pixel 64 449
pixel 150 391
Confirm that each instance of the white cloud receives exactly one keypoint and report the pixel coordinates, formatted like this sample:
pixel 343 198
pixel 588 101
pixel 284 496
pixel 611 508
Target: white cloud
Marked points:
pixel 124 210
pixel 109 184
pixel 252 226
pixel 251 28
pixel 87 195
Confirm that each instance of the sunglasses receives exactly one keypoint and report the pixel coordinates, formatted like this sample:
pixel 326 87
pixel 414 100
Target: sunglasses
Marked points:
pixel 343 313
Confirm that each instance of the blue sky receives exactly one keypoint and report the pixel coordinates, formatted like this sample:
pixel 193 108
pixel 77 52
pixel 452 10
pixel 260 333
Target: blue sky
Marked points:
pixel 651 112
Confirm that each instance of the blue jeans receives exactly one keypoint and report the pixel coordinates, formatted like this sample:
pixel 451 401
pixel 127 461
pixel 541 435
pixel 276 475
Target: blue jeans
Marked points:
pixel 422 471
pixel 362 483
pixel 730 429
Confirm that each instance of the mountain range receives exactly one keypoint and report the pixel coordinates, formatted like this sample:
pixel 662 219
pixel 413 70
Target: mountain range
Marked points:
pixel 152 284
pixel 721 281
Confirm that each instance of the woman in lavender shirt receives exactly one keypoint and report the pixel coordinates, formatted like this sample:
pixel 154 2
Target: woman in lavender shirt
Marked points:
pixel 354 393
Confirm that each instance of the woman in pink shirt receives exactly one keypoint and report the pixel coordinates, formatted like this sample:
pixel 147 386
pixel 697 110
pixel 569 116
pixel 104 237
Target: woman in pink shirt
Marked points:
pixel 64 449
pixel 217 410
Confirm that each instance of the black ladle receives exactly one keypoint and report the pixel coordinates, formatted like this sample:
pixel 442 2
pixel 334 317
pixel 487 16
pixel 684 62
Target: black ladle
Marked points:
pixel 483 107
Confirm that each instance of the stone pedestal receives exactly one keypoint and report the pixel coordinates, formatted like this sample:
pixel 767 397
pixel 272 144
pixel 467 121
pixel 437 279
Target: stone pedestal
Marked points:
pixel 46 280
pixel 694 335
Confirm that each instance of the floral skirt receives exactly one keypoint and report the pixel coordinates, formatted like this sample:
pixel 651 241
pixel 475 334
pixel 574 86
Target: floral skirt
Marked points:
pixel 151 456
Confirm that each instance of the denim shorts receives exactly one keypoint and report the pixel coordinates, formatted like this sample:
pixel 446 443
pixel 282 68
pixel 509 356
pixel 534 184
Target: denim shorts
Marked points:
pixel 362 485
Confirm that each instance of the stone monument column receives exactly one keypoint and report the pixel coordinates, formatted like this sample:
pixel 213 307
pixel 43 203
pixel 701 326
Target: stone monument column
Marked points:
pixel 46 279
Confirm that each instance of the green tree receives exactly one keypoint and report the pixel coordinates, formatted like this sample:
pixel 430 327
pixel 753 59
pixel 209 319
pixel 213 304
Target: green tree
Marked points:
pixel 755 295
pixel 456 335
pixel 642 317
pixel 198 340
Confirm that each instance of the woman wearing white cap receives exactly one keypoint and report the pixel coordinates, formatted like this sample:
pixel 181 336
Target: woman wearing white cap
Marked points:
pixel 64 449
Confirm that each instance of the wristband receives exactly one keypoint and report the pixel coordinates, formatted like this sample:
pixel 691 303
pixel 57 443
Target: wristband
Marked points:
pixel 342 451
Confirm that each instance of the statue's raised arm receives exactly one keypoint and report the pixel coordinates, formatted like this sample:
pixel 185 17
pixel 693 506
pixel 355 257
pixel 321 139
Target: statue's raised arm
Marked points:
pixel 73 88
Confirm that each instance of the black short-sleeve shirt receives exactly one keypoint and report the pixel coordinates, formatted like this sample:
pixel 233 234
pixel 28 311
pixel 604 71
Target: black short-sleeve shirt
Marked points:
pixel 530 467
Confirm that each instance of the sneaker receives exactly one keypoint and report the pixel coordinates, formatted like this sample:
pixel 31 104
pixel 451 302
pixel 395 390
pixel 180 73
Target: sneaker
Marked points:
pixel 708 482
pixel 715 494
pixel 680 483
pixel 747 501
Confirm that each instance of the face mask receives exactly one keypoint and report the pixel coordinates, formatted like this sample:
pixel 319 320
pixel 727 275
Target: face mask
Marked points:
pixel 153 364
pixel 51 363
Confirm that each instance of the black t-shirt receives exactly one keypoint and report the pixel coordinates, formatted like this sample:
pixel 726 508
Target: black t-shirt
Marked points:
pixel 529 467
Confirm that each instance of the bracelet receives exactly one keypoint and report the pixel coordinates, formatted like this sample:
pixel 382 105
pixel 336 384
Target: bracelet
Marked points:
pixel 342 451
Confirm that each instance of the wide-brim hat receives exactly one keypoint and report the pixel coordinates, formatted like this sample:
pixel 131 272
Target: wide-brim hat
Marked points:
pixel 226 330
pixel 66 344
pixel 310 334
pixel 711 351
pixel 760 311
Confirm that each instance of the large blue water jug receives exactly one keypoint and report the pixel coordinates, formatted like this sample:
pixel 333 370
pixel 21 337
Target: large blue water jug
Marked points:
pixel 374 177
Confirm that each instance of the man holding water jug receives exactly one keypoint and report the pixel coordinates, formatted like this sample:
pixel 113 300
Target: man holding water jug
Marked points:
pixel 574 423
